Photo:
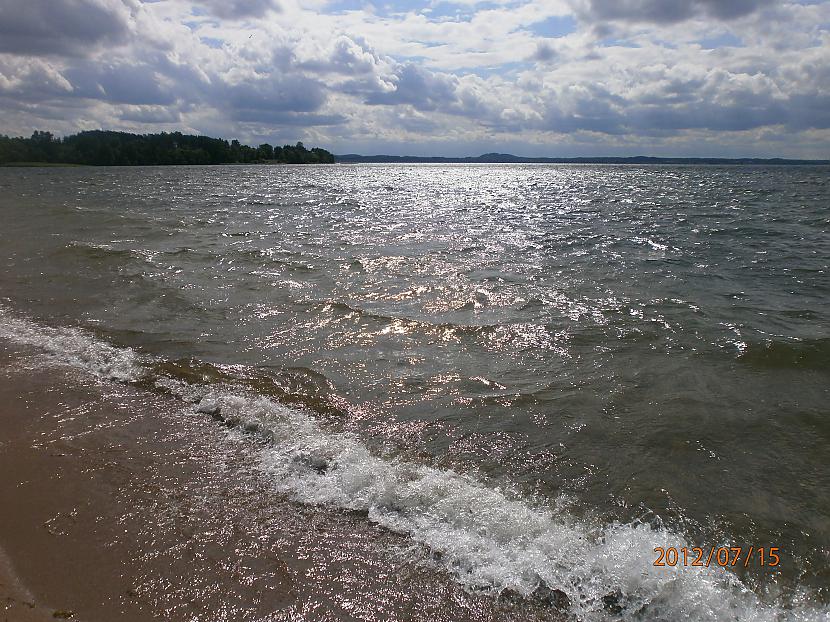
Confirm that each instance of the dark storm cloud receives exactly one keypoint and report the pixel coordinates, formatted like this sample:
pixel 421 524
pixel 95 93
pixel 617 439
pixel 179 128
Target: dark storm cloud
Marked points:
pixel 62 27
pixel 53 111
pixel 605 114
pixel 239 9
pixel 119 83
pixel 603 120
pixel 279 100
pixel 675 90
pixel 667 11
pixel 420 88
pixel 587 107
pixel 809 111
pixel 294 93
pixel 704 115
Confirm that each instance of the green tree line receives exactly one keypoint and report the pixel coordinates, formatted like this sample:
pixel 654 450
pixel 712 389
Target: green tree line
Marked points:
pixel 105 148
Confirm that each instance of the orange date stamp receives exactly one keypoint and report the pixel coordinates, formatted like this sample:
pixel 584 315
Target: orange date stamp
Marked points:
pixel 724 556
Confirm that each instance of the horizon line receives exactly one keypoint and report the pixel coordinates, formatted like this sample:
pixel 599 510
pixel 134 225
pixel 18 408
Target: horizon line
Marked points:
pixel 508 158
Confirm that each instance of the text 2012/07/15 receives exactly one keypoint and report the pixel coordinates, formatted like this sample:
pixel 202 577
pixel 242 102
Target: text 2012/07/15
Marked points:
pixel 725 556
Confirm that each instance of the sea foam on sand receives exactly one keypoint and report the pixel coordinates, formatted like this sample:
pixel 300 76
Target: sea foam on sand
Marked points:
pixel 489 539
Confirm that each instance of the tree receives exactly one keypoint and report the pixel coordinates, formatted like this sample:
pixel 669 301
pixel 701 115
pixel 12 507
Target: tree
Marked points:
pixel 99 147
pixel 265 152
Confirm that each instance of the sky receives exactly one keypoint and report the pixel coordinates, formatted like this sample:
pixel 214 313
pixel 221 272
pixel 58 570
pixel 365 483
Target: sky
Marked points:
pixel 430 77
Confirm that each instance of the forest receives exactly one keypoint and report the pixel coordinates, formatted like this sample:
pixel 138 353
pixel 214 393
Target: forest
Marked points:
pixel 106 148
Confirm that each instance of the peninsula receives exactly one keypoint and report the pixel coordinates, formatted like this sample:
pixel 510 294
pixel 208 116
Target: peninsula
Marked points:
pixel 106 148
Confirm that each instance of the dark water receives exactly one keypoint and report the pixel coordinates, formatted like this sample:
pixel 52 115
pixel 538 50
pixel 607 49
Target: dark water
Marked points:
pixel 639 352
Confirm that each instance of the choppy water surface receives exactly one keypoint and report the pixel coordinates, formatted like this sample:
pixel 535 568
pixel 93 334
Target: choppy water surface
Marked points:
pixel 538 372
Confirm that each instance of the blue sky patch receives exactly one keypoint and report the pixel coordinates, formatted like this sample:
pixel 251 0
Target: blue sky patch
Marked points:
pixel 725 40
pixel 554 26
pixel 212 42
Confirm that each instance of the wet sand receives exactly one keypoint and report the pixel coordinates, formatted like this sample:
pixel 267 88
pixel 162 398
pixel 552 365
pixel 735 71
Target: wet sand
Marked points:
pixel 122 504
pixel 17 603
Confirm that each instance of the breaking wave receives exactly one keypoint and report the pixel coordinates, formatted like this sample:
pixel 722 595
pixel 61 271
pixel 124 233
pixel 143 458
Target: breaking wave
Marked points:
pixel 488 538
pixel 74 347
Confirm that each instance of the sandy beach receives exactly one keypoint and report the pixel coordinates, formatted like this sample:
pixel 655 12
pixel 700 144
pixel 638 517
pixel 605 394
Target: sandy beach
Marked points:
pixel 118 507
pixel 16 600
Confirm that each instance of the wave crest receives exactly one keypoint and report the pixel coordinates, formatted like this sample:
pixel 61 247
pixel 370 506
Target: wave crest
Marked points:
pixel 489 538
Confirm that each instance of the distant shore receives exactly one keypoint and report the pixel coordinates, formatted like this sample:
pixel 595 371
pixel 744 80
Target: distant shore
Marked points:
pixel 107 148
pixel 39 164
pixel 507 158
pixel 71 165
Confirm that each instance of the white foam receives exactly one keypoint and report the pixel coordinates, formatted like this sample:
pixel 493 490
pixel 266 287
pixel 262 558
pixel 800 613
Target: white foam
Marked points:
pixel 72 346
pixel 491 540
pixel 488 539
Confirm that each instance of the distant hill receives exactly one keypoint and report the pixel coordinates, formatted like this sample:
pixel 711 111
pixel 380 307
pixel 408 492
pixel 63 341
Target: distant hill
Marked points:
pixel 105 148
pixel 506 158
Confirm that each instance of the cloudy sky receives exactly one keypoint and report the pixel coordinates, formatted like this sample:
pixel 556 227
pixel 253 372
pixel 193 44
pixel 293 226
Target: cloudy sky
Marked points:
pixel 444 77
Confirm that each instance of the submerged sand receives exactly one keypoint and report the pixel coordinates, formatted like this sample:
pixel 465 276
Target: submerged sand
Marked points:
pixel 120 504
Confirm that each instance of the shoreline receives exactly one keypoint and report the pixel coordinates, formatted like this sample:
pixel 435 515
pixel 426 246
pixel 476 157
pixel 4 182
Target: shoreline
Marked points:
pixel 16 601
pixel 127 506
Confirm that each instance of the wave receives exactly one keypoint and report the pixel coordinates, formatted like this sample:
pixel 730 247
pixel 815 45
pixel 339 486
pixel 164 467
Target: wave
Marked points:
pixel 489 538
pixel 513 336
pixel 98 252
pixel 74 347
pixel 293 386
pixel 426 325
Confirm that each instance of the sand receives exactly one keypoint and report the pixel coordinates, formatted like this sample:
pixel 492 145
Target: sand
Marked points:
pixel 119 504
pixel 17 603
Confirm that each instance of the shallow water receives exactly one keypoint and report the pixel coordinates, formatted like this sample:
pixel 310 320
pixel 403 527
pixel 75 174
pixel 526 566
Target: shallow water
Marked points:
pixel 539 372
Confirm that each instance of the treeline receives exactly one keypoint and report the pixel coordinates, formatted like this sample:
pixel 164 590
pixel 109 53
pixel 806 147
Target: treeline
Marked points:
pixel 104 148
